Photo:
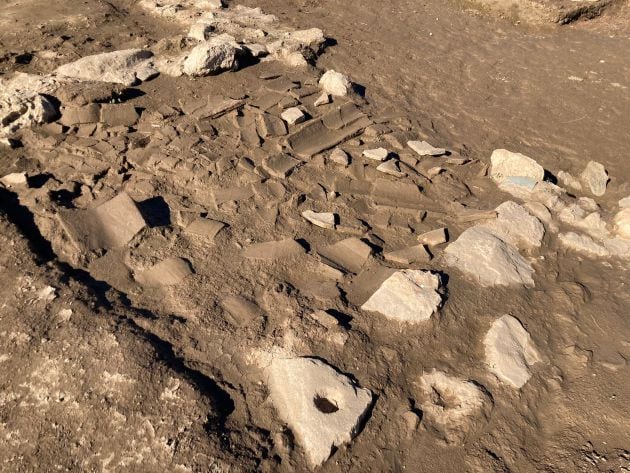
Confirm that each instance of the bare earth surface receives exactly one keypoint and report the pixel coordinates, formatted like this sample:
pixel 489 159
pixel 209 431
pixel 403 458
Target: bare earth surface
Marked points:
pixel 190 282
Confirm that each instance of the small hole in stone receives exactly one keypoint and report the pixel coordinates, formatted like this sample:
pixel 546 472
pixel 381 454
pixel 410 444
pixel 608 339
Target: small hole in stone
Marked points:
pixel 324 405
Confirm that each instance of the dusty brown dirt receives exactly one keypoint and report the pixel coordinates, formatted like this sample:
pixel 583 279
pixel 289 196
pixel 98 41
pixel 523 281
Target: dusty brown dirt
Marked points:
pixel 161 379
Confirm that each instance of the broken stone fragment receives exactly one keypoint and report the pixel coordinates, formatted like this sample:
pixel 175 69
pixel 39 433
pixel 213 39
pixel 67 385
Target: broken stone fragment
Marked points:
pixel 127 67
pixel 205 227
pixel 453 408
pixel 339 156
pixel 109 225
pixel 280 166
pixel 200 31
pixel 622 223
pixel 293 116
pixel 434 237
pixel 23 109
pixel 323 99
pixel 324 408
pixel 324 319
pixel 271 250
pixel 90 113
pixel 335 83
pixel 408 295
pixel 348 255
pixel 242 311
pixel 168 272
pixel 510 351
pixel 488 259
pixel 505 164
pixel 583 244
pixel 14 179
pixel 516 226
pixel 411 255
pixel 391 167
pixel 595 178
pixel 270 125
pixel 422 148
pixel 219 53
pixel 377 154
pixel 320 219
pixel 569 181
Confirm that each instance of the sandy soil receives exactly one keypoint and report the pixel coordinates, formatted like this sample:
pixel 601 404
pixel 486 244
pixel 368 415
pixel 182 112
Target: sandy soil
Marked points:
pixel 103 371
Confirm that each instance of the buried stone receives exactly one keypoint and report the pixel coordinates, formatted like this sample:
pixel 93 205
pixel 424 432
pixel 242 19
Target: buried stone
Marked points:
pixel 323 407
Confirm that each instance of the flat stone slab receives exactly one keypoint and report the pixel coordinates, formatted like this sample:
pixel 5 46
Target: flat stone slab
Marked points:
pixel 323 407
pixel 408 295
pixel 271 250
pixel 515 225
pixel 488 259
pixel 168 272
pixel 422 148
pixel 509 351
pixel 348 255
pixel 320 219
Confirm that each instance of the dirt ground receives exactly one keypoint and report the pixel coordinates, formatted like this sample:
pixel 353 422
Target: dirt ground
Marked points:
pixel 103 372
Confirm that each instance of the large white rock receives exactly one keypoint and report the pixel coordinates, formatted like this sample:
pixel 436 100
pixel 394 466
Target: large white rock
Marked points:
pixel 595 178
pixel 21 109
pixel 507 164
pixel 127 67
pixel 219 53
pixel 516 226
pixel 509 351
pixel 583 244
pixel 488 259
pixel 323 407
pixel 622 223
pixel 335 83
pixel 408 295
pixel 452 407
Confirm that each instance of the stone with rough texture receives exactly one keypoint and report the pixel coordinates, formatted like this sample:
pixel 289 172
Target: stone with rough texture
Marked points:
pixel 323 407
pixel 271 250
pixel 583 244
pixel 377 154
pixel 509 351
pixel 219 53
pixel 168 272
pixel 320 219
pixel 488 259
pixel 595 178
pixel 14 179
pixel 411 255
pixel 23 109
pixel 422 148
pixel 293 116
pixel 339 156
pixel 516 226
pixel 622 223
pixel 127 67
pixel 453 408
pixel 348 255
pixel 335 83
pixel 506 164
pixel 408 295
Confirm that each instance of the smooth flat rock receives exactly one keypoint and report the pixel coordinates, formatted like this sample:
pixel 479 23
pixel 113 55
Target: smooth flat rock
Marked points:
pixel 410 255
pixel 489 260
pixel 434 237
pixel 515 225
pixel 506 164
pixel 509 351
pixel 205 227
pixel 595 178
pixel 127 67
pixel 271 250
pixel 377 154
pixel 280 165
pixel 391 167
pixel 422 148
pixel 335 83
pixel 168 272
pixel 320 219
pixel 407 295
pixel 293 116
pixel 14 179
pixel 348 255
pixel 323 407
pixel 453 408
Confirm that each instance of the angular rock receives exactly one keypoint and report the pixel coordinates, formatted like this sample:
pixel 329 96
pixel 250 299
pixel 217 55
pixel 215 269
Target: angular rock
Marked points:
pixel 509 351
pixel 320 219
pixel 583 244
pixel 506 164
pixel 397 194
pixel 422 148
pixel 23 109
pixel 453 408
pixel 293 116
pixel 411 255
pixel 119 114
pixel 219 53
pixel 90 113
pixel 127 67
pixel 323 407
pixel 488 259
pixel 205 227
pixel 200 31
pixel 270 125
pixel 516 226
pixel 408 295
pixel 280 166
pixel 434 237
pixel 339 156
pixel 271 250
pixel 378 154
pixel 335 83
pixel 569 181
pixel 622 223
pixel 348 255
pixel 168 272
pixel 595 178
pixel 14 179
pixel 323 99
pixel 391 167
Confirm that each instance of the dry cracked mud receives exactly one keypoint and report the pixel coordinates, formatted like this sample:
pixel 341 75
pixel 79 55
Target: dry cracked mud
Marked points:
pixel 297 236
